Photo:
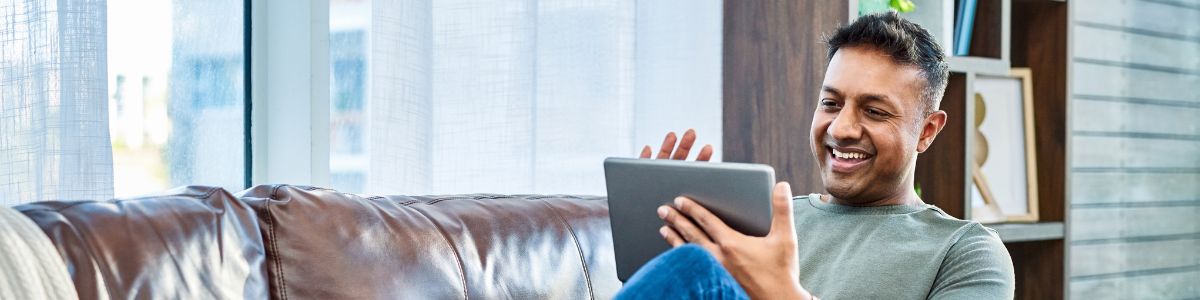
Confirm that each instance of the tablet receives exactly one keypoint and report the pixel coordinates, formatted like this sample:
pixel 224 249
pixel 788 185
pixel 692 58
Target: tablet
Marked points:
pixel 738 193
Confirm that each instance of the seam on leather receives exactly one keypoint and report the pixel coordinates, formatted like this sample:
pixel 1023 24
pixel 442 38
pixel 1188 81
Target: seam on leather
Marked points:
pixel 115 201
pixel 274 246
pixel 462 273
pixel 435 201
pixel 587 276
pixel 540 197
pixel 57 210
pixel 210 192
pixel 488 197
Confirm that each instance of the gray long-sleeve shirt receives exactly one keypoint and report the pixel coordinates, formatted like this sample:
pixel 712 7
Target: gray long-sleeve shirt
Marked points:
pixel 898 252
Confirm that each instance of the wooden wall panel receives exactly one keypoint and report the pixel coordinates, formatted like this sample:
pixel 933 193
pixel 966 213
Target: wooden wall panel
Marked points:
pixel 1038 267
pixel 1043 49
pixel 941 171
pixel 773 65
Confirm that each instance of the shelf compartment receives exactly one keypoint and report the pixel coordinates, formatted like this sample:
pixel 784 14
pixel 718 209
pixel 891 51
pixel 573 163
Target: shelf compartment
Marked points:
pixel 1028 232
pixel 979 65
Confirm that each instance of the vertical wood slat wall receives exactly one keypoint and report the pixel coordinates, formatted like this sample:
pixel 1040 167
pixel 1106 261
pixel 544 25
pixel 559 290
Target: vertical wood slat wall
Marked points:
pixel 1135 172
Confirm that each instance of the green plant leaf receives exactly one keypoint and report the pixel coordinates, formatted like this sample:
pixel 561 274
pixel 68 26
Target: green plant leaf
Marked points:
pixel 903 5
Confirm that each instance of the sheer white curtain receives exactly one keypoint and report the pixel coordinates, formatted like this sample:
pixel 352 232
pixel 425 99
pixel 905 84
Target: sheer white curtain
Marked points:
pixel 530 96
pixel 54 139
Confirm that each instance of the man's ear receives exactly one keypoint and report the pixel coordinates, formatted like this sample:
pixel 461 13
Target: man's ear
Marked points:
pixel 930 127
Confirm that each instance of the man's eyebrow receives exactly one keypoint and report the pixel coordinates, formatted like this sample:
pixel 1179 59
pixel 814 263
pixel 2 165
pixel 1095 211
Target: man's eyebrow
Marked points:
pixel 865 97
pixel 874 98
pixel 832 90
pixel 881 100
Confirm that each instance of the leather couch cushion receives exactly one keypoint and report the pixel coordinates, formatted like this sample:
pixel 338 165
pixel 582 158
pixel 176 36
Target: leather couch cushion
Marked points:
pixel 330 245
pixel 189 243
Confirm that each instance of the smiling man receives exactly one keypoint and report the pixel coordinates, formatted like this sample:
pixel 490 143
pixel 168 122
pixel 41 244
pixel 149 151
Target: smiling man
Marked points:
pixel 871 237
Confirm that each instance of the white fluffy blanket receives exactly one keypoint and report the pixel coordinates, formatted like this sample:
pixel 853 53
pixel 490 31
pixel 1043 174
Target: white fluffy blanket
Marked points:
pixel 30 267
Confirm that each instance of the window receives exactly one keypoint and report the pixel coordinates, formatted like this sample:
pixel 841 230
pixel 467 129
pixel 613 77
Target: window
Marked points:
pixel 452 96
pixel 176 85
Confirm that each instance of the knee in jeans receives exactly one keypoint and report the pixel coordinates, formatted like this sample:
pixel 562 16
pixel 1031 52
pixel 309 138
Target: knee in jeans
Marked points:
pixel 691 252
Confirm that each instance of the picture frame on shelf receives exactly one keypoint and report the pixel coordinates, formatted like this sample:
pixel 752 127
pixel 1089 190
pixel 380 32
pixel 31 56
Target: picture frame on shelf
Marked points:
pixel 1005 166
pixel 984 208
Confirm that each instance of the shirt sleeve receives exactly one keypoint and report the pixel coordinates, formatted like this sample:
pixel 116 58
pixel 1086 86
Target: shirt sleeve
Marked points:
pixel 977 266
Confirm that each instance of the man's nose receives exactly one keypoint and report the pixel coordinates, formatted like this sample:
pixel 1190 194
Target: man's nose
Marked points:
pixel 845 126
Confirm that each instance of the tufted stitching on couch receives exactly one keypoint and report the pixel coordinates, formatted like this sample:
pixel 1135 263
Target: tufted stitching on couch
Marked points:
pixel 479 197
pixel 274 249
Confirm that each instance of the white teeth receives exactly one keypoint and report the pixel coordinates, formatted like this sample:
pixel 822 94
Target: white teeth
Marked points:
pixel 848 155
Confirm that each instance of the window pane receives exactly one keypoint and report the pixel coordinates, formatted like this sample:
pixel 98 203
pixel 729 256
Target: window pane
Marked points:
pixel 466 96
pixel 176 94
pixel 348 22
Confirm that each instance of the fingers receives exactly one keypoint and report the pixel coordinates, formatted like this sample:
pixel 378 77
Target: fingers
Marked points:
pixel 667 146
pixel 670 151
pixel 781 210
pixel 710 223
pixel 671 236
pixel 685 145
pixel 680 223
pixel 705 153
pixel 675 241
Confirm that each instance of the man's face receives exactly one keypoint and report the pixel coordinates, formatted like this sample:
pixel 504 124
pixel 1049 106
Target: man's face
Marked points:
pixel 867 125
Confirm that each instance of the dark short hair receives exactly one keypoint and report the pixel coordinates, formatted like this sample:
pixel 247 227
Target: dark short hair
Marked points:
pixel 905 42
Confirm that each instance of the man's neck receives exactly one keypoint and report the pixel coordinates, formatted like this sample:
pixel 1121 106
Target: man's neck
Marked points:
pixel 910 198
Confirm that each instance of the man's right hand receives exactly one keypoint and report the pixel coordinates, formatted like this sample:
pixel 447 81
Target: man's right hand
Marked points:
pixel 670 151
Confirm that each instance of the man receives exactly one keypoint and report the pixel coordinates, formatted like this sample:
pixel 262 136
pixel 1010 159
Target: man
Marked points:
pixel 871 237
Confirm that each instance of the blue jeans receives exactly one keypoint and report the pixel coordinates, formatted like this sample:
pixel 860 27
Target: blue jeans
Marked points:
pixel 687 272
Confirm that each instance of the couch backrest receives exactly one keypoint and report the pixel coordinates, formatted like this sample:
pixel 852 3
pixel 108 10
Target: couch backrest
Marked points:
pixel 330 245
pixel 296 242
pixel 189 243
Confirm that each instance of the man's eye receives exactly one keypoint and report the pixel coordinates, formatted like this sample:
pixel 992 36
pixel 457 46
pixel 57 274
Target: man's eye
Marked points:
pixel 876 112
pixel 828 103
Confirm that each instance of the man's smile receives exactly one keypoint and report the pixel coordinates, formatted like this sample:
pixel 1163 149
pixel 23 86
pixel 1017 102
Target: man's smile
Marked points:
pixel 847 160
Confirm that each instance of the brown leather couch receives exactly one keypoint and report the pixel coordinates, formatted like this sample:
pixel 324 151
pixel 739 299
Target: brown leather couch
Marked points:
pixel 296 242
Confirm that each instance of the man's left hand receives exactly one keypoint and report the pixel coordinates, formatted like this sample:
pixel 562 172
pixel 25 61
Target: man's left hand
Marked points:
pixel 766 267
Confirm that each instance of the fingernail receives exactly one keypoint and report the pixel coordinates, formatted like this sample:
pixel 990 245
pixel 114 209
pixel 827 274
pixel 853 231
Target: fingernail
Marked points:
pixel 678 202
pixel 662 231
pixel 662 212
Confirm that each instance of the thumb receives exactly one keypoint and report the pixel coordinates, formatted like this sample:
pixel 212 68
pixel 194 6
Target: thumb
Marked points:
pixel 781 209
